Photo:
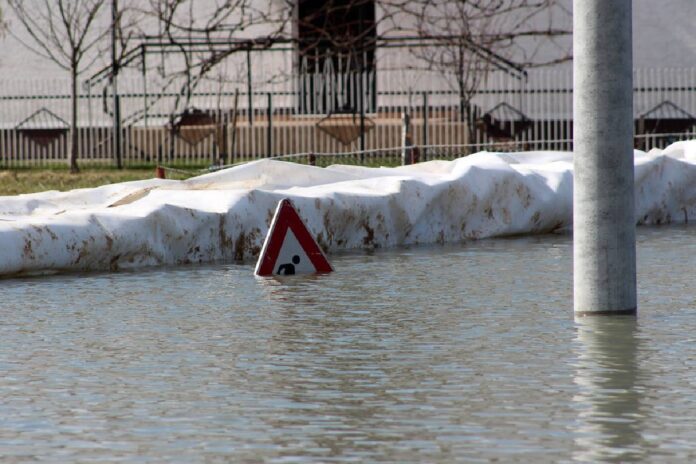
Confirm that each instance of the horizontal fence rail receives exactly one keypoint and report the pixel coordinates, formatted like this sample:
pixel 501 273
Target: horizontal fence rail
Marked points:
pixel 358 116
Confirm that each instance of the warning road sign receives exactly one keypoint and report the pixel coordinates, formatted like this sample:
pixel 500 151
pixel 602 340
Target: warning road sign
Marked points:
pixel 289 247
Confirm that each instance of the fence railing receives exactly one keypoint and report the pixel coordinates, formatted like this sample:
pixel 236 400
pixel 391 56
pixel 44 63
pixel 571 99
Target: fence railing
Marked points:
pixel 224 123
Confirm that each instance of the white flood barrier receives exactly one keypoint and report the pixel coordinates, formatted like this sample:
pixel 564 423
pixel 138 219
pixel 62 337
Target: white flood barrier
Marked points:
pixel 224 216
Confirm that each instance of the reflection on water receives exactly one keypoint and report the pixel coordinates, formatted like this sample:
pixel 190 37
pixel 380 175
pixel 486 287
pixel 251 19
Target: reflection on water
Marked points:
pixel 438 354
pixel 611 385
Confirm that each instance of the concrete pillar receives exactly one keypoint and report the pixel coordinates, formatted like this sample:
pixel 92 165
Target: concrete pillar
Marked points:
pixel 603 204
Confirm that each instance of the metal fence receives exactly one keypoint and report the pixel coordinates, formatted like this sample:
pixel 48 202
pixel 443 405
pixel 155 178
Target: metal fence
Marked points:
pixel 223 122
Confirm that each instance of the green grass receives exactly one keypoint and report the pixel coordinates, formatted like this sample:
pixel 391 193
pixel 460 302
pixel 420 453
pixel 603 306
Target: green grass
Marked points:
pixel 19 180
pixel 30 180
pixel 389 160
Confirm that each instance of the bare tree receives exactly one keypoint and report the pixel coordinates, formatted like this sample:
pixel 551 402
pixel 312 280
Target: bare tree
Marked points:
pixel 202 36
pixel 462 39
pixel 470 38
pixel 66 32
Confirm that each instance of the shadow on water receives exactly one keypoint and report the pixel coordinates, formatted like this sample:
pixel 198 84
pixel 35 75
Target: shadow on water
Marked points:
pixel 611 385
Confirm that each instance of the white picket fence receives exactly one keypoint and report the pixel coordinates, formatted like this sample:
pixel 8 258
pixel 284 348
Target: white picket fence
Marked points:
pixel 223 122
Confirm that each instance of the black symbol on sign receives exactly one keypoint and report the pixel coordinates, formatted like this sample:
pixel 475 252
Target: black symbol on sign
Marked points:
pixel 289 268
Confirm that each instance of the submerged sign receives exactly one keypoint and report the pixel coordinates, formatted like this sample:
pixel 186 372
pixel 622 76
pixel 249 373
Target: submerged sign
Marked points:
pixel 289 247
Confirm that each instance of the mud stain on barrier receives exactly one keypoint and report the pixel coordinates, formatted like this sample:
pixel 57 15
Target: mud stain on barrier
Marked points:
pixel 113 263
pixel 507 217
pixel 254 241
pixel 557 226
pixel 326 237
pixel 82 252
pixel 27 250
pixel 369 238
pixel 247 244
pixel 226 242
pixel 327 226
pixel 400 220
pixel 239 247
pixel 195 255
pixel 51 234
pixel 525 195
pixel 322 243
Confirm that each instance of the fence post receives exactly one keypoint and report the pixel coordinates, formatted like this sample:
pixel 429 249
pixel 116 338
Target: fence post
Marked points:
pixel 250 108
pixel 425 126
pixel 362 115
pixel 221 136
pixel 117 129
pixel 114 84
pixel 406 141
pixel 233 147
pixel 269 134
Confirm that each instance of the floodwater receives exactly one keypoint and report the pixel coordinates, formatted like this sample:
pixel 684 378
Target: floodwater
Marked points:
pixel 436 354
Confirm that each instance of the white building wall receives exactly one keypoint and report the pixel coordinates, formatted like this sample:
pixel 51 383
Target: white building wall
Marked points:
pixel 663 37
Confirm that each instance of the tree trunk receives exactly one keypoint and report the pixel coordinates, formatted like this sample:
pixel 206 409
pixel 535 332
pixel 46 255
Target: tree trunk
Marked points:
pixel 73 122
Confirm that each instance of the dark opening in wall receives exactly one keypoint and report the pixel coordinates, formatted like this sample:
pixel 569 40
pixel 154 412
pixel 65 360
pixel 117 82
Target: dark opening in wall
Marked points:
pixel 336 45
pixel 338 30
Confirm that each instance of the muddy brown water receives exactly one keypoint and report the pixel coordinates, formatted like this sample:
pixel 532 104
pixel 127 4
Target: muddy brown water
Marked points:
pixel 436 354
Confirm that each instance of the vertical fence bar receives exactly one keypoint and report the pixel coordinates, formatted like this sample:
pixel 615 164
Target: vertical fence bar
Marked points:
pixel 545 98
pixel 361 96
pixel 269 133
pixel 425 126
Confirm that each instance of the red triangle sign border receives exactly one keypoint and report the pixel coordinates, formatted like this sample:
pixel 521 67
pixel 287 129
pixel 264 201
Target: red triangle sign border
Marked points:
pixel 286 218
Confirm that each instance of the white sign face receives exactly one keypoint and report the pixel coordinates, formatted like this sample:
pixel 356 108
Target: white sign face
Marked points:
pixel 292 258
